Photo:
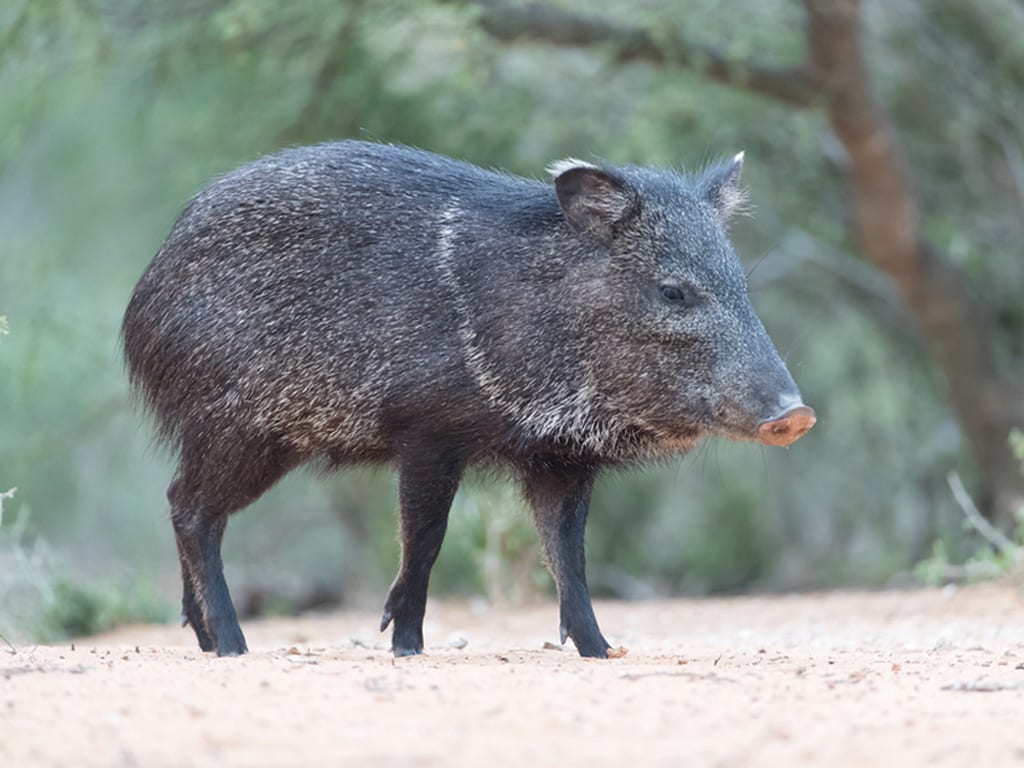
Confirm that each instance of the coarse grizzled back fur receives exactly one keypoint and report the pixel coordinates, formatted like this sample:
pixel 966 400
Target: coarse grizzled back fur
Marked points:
pixel 324 300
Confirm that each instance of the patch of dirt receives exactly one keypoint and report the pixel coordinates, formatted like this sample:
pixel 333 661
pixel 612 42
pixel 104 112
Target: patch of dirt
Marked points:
pixel 916 678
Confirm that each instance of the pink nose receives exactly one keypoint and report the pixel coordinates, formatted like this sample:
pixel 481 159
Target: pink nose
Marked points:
pixel 788 428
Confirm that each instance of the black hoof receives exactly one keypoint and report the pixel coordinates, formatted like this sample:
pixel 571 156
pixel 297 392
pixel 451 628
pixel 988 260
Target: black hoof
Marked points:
pixel 407 636
pixel 406 641
pixel 589 643
pixel 206 643
pixel 232 643
pixel 400 652
pixel 593 651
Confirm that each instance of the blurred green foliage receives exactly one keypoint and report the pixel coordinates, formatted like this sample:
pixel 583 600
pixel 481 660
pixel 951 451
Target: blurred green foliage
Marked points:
pixel 43 592
pixel 116 111
pixel 998 556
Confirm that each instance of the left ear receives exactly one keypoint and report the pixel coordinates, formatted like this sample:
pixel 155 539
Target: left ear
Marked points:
pixel 720 187
pixel 594 200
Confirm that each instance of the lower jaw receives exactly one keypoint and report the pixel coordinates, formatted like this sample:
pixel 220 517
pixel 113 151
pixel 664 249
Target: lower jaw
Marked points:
pixel 684 443
pixel 664 447
pixel 649 444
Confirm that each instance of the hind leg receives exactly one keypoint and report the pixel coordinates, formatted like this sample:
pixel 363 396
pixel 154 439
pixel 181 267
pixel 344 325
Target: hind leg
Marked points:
pixel 191 613
pixel 202 496
pixel 206 599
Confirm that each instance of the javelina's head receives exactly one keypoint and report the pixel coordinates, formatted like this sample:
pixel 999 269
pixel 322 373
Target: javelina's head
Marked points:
pixel 673 345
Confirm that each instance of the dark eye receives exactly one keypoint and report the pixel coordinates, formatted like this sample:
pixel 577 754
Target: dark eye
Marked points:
pixel 673 294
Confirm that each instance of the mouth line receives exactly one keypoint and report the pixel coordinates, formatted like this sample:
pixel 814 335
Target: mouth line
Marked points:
pixel 781 431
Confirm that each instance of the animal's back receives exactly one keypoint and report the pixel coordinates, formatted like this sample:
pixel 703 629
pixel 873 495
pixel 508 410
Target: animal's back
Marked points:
pixel 302 296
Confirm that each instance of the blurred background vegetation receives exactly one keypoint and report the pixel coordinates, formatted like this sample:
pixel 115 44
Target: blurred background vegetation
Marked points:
pixel 114 112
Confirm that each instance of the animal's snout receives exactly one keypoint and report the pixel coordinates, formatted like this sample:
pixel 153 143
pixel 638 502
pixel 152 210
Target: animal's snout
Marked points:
pixel 789 427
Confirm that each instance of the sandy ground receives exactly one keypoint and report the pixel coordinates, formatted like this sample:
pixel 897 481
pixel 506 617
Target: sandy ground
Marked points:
pixel 918 678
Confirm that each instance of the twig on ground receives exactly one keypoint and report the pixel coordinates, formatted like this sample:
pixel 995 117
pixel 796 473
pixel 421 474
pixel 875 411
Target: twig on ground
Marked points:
pixel 711 677
pixel 981 685
pixel 993 535
pixel 13 651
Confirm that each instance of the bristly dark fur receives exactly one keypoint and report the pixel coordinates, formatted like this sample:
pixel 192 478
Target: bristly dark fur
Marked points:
pixel 356 302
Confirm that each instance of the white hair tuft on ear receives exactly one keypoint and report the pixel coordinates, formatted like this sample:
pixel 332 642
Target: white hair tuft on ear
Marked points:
pixel 720 187
pixel 559 167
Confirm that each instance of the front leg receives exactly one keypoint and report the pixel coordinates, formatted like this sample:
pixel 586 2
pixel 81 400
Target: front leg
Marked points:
pixel 560 497
pixel 429 475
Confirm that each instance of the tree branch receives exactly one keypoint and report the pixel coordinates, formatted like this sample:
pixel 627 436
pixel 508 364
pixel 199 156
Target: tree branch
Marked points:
pixel 793 86
pixel 994 536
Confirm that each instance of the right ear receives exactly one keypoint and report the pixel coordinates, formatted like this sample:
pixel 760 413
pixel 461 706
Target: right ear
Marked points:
pixel 593 199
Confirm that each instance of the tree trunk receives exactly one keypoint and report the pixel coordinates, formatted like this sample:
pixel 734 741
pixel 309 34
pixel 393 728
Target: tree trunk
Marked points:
pixel 954 324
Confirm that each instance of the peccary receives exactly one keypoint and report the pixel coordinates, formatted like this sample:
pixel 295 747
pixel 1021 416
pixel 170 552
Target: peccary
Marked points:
pixel 355 302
